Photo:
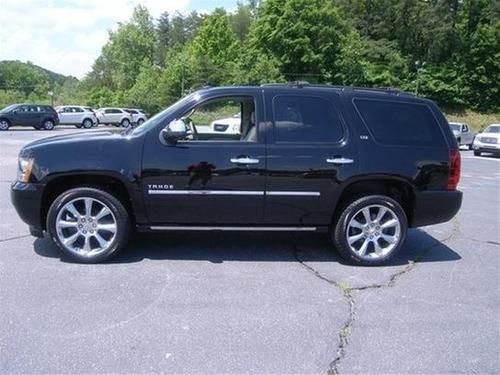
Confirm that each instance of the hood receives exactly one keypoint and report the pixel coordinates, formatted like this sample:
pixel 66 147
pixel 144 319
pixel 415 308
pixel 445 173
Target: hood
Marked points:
pixel 491 135
pixel 79 137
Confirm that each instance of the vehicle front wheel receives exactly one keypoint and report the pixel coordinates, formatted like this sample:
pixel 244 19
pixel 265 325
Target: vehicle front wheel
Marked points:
pixel 48 125
pixel 370 230
pixel 88 224
pixel 4 125
pixel 140 122
pixel 87 123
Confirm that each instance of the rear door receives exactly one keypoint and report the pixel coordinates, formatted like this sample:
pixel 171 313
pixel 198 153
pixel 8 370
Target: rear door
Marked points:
pixel 309 154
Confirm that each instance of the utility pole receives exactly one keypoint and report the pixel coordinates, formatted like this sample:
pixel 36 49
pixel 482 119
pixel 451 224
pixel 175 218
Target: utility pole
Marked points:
pixel 420 66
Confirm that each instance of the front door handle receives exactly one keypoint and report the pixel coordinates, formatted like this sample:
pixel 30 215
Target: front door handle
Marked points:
pixel 339 160
pixel 244 160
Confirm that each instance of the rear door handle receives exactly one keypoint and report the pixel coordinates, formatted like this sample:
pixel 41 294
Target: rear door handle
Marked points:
pixel 244 160
pixel 339 160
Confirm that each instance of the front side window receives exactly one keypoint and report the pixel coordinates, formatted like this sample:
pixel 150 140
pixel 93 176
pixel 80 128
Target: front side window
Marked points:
pixel 222 119
pixel 306 119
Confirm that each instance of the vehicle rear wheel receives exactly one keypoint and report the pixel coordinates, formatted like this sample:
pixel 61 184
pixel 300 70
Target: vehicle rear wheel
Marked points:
pixel 4 125
pixel 87 123
pixel 140 122
pixel 88 224
pixel 125 123
pixel 370 230
pixel 48 125
pixel 477 153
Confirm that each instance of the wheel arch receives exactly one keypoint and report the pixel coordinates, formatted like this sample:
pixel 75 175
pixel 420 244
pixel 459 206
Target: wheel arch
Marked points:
pixel 396 187
pixel 106 181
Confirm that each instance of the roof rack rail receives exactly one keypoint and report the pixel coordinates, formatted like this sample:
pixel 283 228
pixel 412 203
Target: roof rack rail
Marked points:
pixel 300 84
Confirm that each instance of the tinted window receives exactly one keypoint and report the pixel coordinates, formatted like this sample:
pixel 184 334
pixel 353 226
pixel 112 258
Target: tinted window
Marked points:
pixel 305 119
pixel 397 123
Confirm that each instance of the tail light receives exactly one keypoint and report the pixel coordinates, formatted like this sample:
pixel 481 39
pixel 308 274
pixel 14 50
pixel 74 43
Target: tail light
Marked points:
pixel 454 171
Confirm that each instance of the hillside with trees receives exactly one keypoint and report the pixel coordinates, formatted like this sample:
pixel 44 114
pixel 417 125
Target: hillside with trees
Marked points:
pixel 447 50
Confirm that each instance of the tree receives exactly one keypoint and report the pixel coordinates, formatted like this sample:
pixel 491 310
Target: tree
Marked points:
pixel 122 56
pixel 144 93
pixel 304 36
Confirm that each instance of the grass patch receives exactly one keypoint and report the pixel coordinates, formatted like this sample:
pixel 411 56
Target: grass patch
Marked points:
pixel 478 121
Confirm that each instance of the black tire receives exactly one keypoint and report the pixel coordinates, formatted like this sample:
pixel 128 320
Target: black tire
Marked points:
pixel 469 146
pixel 477 153
pixel 115 206
pixel 340 228
pixel 140 122
pixel 79 126
pixel 48 124
pixel 125 123
pixel 4 124
pixel 87 123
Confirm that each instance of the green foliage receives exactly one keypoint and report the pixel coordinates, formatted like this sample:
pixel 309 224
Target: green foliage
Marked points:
pixel 447 50
pixel 304 36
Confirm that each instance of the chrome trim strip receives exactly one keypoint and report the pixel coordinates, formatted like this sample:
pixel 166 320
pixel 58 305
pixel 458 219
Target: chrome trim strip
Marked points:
pixel 294 193
pixel 210 228
pixel 205 192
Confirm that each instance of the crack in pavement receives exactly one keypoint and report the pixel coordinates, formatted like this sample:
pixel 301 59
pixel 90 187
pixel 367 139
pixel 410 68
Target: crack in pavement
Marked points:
pixel 346 291
pixel 15 238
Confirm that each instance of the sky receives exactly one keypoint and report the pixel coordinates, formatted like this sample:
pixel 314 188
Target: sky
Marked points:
pixel 66 36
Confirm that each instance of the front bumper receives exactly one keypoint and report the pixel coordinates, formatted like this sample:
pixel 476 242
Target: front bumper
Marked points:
pixel 27 198
pixel 434 207
pixel 486 147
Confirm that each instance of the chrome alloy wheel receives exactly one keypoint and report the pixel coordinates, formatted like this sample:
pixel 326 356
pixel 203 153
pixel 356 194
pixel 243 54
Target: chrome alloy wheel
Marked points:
pixel 373 232
pixel 86 226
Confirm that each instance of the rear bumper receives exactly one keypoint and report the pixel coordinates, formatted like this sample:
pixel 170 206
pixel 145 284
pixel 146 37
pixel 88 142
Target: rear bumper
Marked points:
pixel 433 207
pixel 26 199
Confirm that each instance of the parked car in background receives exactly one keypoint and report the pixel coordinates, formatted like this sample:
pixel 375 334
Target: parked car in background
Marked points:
pixel 39 116
pixel 463 134
pixel 230 125
pixel 114 116
pixel 138 115
pixel 488 141
pixel 76 115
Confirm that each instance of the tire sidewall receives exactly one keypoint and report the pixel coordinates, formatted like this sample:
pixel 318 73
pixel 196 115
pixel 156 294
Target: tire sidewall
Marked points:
pixel 8 125
pixel 120 213
pixel 125 123
pixel 87 123
pixel 45 125
pixel 339 231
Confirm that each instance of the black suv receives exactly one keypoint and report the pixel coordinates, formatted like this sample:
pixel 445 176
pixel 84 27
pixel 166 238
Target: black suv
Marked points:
pixel 362 164
pixel 35 115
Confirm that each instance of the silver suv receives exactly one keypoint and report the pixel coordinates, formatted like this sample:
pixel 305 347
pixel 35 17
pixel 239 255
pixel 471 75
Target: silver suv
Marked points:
pixel 76 115
pixel 114 116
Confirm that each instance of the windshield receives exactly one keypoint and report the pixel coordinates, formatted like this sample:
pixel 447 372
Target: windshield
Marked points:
pixel 455 127
pixel 9 108
pixel 159 117
pixel 492 129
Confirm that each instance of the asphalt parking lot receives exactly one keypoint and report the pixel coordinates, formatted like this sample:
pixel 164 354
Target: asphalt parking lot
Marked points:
pixel 255 303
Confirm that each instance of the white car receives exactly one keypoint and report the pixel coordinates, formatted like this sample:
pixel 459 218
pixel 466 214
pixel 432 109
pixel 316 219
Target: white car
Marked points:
pixel 488 141
pixel 76 115
pixel 229 125
pixel 114 116
pixel 138 115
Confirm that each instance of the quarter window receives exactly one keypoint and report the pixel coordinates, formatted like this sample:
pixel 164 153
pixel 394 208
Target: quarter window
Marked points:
pixel 306 119
pixel 399 123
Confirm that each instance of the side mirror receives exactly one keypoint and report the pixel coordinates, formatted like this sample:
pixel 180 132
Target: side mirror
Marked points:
pixel 174 131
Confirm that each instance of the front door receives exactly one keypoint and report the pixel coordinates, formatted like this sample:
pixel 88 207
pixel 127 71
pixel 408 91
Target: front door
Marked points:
pixel 207 179
pixel 309 156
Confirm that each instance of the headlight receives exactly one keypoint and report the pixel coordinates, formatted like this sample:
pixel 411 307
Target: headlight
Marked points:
pixel 25 168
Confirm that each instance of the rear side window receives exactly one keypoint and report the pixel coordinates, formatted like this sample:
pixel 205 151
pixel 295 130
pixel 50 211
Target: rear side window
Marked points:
pixel 305 119
pixel 399 123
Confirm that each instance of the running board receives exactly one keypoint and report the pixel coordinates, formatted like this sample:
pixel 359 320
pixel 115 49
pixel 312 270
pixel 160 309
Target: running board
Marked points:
pixel 212 228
